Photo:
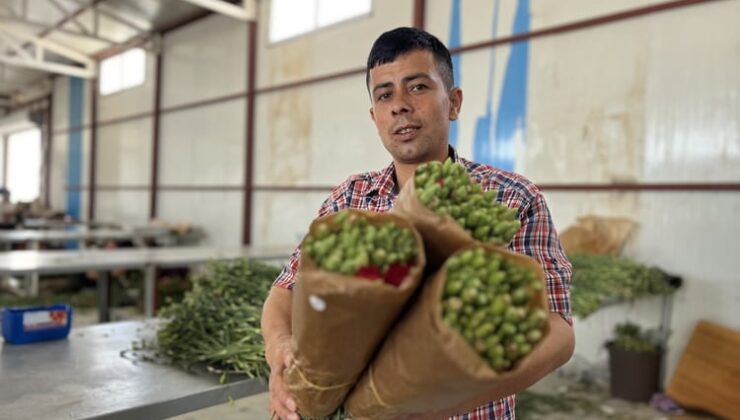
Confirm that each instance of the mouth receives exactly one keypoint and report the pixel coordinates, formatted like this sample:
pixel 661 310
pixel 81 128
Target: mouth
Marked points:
pixel 406 132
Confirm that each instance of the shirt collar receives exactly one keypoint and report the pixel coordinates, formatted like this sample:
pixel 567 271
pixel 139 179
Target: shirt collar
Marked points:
pixel 451 152
pixel 385 182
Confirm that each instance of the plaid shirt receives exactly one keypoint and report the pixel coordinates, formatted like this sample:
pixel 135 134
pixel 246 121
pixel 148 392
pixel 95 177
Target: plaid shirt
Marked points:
pixel 377 191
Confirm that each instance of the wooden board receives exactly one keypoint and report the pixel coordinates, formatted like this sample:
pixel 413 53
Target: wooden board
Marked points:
pixel 708 375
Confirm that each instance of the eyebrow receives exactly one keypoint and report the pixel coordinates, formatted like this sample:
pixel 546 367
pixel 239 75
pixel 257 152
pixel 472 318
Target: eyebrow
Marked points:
pixel 420 75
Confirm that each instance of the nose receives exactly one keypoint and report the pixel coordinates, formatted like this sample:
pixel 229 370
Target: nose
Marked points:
pixel 401 104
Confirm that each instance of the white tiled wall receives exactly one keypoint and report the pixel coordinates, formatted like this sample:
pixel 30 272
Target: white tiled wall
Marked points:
pixel 316 135
pixel 125 153
pixel 127 208
pixel 218 213
pixel 278 220
pixel 204 145
pixel 203 60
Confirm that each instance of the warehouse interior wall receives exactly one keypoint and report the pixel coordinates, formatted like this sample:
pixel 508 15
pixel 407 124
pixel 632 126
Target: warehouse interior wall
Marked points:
pixel 634 117
pixel 314 135
pixel 202 148
pixel 668 114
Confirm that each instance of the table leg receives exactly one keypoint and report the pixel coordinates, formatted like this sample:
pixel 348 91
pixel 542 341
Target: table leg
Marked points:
pixel 32 284
pixel 150 273
pixel 665 329
pixel 139 242
pixel 103 297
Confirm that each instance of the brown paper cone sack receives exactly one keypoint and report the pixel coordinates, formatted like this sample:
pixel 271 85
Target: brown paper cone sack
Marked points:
pixel 338 323
pixel 424 365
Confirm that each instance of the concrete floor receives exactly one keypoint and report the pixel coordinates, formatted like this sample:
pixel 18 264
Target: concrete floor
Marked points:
pixel 249 408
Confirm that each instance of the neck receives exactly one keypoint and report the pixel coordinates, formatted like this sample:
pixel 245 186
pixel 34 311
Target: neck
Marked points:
pixel 404 171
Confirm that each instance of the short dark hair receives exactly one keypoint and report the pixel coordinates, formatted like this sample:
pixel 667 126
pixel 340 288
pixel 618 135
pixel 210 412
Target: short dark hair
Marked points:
pixel 403 40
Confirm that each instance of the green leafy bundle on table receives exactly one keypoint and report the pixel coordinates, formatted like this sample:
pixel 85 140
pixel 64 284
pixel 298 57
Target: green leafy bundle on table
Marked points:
pixel 218 322
pixel 600 279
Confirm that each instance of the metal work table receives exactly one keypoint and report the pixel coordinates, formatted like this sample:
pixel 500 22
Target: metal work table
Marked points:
pixel 34 263
pixel 35 237
pixel 42 223
pixel 85 376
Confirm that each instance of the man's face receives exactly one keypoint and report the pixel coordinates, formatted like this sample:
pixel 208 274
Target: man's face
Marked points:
pixel 412 107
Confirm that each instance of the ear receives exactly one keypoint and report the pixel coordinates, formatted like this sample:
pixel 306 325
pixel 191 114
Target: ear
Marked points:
pixel 456 97
pixel 372 113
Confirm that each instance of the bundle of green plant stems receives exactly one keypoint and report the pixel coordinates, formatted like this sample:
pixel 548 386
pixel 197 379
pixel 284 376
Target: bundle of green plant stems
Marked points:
pixel 217 323
pixel 600 279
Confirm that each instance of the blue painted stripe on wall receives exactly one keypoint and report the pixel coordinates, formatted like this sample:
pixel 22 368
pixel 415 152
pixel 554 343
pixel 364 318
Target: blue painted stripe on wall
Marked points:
pixel 483 140
pixel 74 152
pixel 455 41
pixel 512 110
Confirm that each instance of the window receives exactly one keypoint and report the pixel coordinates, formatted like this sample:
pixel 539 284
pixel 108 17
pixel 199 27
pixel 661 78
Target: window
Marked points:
pixel 122 71
pixel 24 165
pixel 289 18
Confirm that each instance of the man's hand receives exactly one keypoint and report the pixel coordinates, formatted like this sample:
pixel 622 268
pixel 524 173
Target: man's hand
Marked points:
pixel 276 331
pixel 280 357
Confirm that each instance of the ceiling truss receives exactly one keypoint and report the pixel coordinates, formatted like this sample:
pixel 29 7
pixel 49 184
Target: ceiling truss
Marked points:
pixel 246 11
pixel 26 45
pixel 25 49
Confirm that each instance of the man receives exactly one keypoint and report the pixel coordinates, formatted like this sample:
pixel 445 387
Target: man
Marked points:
pixel 8 211
pixel 409 77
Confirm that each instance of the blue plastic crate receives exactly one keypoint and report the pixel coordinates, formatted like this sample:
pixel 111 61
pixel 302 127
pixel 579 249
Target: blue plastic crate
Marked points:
pixel 39 323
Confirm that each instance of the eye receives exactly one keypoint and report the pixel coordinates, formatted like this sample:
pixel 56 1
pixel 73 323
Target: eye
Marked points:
pixel 383 97
pixel 419 87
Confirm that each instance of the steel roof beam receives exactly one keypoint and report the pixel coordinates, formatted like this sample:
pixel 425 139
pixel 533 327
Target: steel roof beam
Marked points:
pixel 247 11
pixel 40 25
pixel 134 22
pixel 68 16
pixel 127 19
pixel 16 39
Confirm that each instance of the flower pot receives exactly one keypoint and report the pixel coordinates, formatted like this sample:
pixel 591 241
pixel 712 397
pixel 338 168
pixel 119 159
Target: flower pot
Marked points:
pixel 633 376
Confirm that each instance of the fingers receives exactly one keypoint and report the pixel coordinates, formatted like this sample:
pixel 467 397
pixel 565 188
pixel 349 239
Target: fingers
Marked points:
pixel 280 401
pixel 282 406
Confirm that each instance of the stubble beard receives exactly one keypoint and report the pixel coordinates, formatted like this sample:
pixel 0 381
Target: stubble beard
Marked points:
pixel 411 152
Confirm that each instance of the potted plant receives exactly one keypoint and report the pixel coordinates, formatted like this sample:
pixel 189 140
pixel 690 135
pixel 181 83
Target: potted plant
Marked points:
pixel 634 362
